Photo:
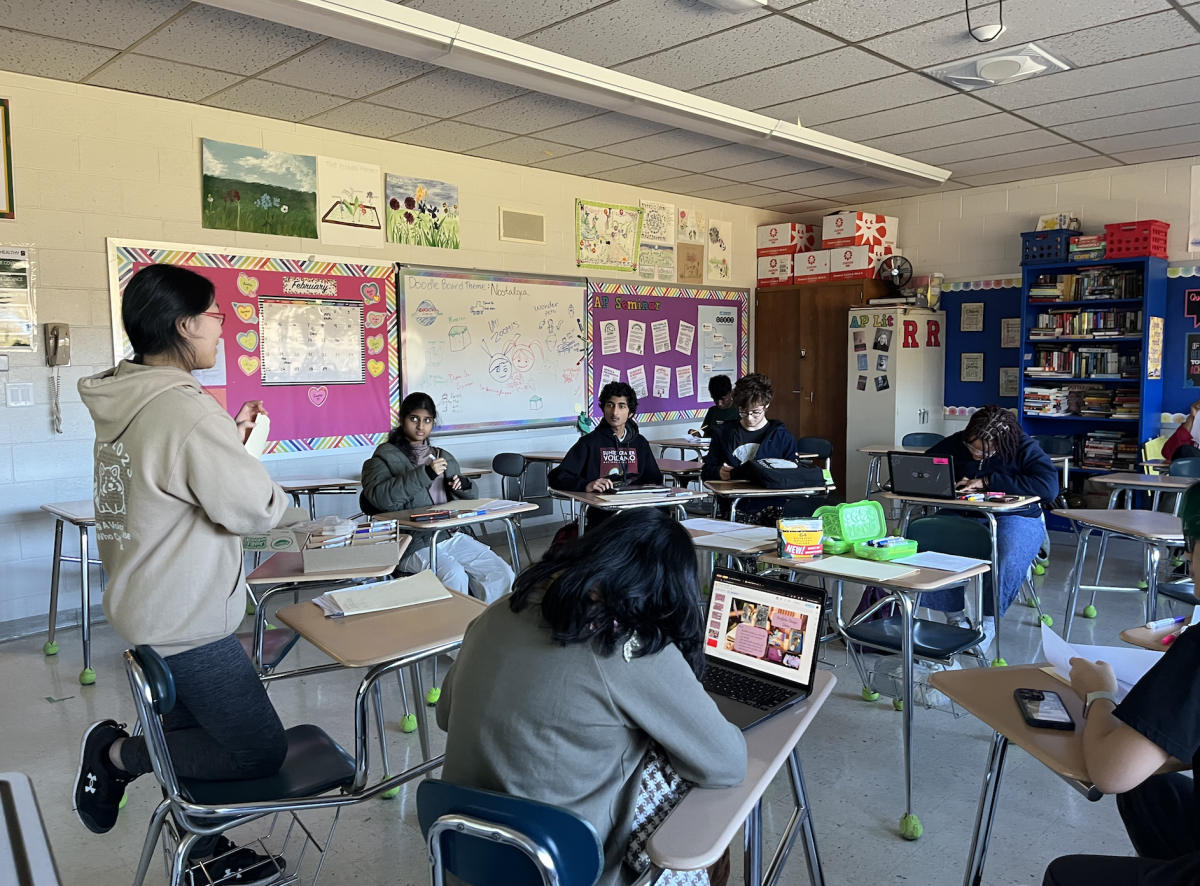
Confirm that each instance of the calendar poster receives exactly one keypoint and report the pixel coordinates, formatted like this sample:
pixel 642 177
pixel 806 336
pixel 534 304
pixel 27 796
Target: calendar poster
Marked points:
pixel 311 341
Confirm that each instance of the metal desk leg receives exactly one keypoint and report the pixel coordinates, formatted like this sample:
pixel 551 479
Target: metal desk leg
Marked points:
pixel 986 814
pixel 1081 546
pixel 996 586
pixel 50 647
pixel 1152 560
pixel 752 846
pixel 511 531
pixel 905 516
pixel 910 825
pixel 733 508
pixel 433 543
pixel 582 515
pixel 378 693
pixel 418 689
pixel 87 676
pixel 312 504
pixel 295 499
pixel 812 857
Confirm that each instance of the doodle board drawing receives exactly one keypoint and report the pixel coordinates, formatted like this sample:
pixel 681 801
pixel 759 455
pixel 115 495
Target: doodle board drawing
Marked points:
pixel 460 338
pixel 607 235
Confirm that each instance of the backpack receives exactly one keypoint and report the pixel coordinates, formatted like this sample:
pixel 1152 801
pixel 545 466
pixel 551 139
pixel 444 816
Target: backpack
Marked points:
pixel 778 473
pixel 567 533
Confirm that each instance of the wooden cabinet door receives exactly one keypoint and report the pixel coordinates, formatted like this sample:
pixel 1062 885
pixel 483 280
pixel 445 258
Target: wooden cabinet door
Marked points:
pixel 776 355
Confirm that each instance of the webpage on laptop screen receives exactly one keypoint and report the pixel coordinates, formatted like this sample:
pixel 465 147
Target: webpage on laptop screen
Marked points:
pixel 767 632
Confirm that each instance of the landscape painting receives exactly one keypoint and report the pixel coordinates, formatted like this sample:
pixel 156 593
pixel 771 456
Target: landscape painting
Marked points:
pixel 422 212
pixel 261 192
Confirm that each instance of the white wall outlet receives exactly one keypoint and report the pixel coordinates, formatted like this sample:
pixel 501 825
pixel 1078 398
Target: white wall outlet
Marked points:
pixel 20 394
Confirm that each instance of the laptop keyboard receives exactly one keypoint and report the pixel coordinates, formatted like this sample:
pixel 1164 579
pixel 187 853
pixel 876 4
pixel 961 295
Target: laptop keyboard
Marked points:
pixel 746 689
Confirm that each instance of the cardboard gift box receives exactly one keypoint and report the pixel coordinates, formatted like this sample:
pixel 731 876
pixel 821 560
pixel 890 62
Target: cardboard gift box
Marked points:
pixel 787 238
pixel 775 270
pixel 811 267
pixel 381 554
pixel 857 262
pixel 274 540
pixel 858 229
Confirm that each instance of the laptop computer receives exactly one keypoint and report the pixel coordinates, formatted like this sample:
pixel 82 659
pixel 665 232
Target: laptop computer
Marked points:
pixel 762 637
pixel 922 476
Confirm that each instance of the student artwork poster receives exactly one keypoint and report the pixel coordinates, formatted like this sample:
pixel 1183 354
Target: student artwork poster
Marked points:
pixel 665 342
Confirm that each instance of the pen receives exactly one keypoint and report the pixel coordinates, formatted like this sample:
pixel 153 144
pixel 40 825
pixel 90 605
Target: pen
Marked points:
pixel 1166 622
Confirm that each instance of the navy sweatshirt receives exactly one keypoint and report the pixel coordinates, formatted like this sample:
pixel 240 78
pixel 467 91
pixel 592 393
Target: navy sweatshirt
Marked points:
pixel 778 443
pixel 598 454
pixel 1031 473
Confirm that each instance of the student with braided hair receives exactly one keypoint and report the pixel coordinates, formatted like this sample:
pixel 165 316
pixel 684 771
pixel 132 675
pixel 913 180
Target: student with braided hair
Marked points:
pixel 994 454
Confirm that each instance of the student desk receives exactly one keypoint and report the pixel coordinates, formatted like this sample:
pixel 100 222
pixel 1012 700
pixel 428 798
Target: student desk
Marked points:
pixel 736 490
pixel 699 445
pixel 696 832
pixel 1150 528
pixel 1156 484
pixel 1148 639
pixel 546 458
pixel 403 520
pixel 905 591
pixel 699 536
pixel 474 472
pixel 82 515
pixel 878 452
pixel 649 500
pixel 384 642
pixel 1063 463
pixel 314 486
pixel 25 854
pixel 685 471
pixel 986 509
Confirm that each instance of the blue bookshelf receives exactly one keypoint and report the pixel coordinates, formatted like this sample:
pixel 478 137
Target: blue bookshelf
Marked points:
pixel 1152 304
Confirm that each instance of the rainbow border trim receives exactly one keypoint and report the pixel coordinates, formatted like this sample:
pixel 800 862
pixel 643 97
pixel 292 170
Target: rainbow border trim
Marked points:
pixel 972 285
pixel 741 296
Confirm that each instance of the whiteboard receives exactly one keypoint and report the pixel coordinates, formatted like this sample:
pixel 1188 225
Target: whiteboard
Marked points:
pixel 493 350
pixel 311 341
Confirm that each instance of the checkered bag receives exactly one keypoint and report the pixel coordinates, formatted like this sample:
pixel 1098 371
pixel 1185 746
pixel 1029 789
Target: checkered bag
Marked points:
pixel 661 791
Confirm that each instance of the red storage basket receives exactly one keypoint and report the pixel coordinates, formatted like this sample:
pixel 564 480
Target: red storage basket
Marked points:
pixel 1136 239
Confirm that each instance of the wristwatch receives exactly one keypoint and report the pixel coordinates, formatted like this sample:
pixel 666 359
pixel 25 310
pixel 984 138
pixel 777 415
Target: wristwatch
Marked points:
pixel 1093 697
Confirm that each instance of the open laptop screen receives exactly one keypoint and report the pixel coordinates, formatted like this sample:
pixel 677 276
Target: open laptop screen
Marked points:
pixel 773 634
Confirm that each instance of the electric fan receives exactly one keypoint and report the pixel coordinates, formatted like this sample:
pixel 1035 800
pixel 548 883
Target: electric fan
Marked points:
pixel 896 269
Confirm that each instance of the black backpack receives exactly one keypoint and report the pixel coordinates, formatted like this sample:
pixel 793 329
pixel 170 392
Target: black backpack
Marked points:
pixel 778 473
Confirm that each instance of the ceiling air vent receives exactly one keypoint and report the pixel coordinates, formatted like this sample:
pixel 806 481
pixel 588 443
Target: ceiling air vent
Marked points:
pixel 522 227
pixel 999 67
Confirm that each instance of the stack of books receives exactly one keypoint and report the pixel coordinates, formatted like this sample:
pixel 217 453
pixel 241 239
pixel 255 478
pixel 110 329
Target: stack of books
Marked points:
pixel 1088 247
pixel 1051 288
pixel 1110 451
pixel 1090 284
pixel 1097 404
pixel 1045 401
pixel 1076 323
pixel 1127 403
pixel 379 531
pixel 1050 361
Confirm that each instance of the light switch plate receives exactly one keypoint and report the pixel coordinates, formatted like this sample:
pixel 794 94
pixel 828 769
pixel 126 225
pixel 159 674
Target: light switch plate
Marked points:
pixel 20 394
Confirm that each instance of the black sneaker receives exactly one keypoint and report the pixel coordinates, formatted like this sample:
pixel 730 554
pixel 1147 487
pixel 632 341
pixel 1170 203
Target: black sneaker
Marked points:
pixel 234 866
pixel 99 786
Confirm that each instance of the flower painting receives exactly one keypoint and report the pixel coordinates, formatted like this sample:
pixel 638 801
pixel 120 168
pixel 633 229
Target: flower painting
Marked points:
pixel 262 192
pixel 422 212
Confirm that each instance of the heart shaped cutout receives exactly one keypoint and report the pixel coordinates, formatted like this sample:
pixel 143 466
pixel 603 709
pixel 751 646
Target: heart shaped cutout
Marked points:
pixel 375 319
pixel 246 284
pixel 370 292
pixel 245 312
pixel 375 367
pixel 248 365
pixel 248 339
pixel 318 395
pixel 374 344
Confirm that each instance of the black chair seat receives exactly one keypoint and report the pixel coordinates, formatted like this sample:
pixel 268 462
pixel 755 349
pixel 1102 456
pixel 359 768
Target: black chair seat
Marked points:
pixel 931 639
pixel 1180 593
pixel 315 763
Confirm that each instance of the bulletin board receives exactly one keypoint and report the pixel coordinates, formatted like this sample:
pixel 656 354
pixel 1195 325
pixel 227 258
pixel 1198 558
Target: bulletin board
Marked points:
pixel 313 338
pixel 671 338
pixel 1181 382
pixel 1001 299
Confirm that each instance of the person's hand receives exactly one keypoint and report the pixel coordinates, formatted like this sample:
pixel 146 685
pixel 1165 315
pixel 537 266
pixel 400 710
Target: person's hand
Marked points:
pixel 966 485
pixel 1191 419
pixel 246 416
pixel 601 485
pixel 456 483
pixel 1091 676
pixel 438 465
pixel 726 472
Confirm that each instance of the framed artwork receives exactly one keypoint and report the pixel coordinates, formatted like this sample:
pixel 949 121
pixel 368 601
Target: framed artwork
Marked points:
pixel 1010 381
pixel 1010 332
pixel 971 368
pixel 971 317
pixel 6 175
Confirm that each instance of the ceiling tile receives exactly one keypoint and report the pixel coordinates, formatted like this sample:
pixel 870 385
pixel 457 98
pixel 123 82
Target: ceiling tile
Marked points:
pixel 345 69
pixel 362 118
pixel 530 113
pixel 863 19
pixel 1169 152
pixel 671 143
pixel 446 93
pixel 865 98
pixel 796 206
pixel 48 57
pixel 988 147
pixel 799 181
pixel 1024 158
pixel 934 113
pixel 772 40
pixel 227 41
pixel 729 193
pixel 1162 118
pixel 112 23
pixel 606 129
pixel 513 18
pixel 763 169
pixel 1045 170
pixel 628 29
pixel 1122 101
pixel 891 191
pixel 1107 43
pixel 850 186
pixel 947 38
pixel 523 151
pixel 154 76
pixel 447 135
pixel 771 198
pixel 950 134
pixel 689 184
pixel 637 175
pixel 810 76
pixel 273 100
pixel 719 158
pixel 1137 141
pixel 586 163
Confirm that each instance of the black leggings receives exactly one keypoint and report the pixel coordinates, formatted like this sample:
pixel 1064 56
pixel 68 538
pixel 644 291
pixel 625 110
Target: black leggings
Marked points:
pixel 1185 451
pixel 223 726
pixel 1161 820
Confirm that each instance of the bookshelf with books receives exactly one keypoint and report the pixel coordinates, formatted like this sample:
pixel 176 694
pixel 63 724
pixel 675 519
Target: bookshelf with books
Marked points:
pixel 1085 336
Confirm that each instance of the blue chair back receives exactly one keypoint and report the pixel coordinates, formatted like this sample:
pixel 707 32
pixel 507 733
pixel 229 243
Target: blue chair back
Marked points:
pixel 1185 467
pixel 158 677
pixel 822 447
pixel 1055 445
pixel 569 840
pixel 949 534
pixel 922 440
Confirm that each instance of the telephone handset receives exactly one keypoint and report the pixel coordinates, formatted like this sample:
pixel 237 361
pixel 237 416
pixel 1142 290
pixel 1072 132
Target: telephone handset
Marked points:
pixel 58 344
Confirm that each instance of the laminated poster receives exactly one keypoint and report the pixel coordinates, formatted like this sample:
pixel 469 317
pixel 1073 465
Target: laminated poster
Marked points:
pixel 607 236
pixel 1010 332
pixel 683 382
pixel 637 381
pixel 719 267
pixel 635 338
pixel 661 331
pixel 1155 350
pixel 684 337
pixel 18 324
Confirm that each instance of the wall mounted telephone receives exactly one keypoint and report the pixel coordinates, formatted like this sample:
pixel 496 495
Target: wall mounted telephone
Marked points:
pixel 58 353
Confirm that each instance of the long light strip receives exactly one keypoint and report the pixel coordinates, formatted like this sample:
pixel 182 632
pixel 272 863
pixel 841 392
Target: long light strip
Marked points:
pixel 414 34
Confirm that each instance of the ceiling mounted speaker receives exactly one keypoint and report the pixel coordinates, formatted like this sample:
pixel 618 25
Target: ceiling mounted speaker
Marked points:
pixel 735 5
pixel 1000 67
pixel 522 227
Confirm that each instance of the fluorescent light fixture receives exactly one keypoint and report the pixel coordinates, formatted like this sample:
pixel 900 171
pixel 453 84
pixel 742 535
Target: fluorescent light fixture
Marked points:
pixel 999 67
pixel 401 30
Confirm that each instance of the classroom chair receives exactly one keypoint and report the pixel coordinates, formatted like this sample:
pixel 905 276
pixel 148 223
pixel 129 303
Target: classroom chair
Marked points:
pixel 1185 467
pixel 822 447
pixel 315 765
pixel 490 839
pixel 511 468
pixel 922 440
pixel 1152 450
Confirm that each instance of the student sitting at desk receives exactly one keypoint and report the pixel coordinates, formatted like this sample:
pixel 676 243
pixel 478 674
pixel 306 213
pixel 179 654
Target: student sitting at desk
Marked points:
pixel 406 472
pixel 720 388
pixel 558 691
pixel 1125 744
pixel 175 490
pixel 993 454
pixel 752 437
pixel 1182 444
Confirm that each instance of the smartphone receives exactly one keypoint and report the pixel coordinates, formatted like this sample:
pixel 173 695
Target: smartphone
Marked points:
pixel 1043 710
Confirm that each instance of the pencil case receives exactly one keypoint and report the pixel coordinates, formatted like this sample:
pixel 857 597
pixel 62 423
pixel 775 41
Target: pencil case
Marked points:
pixel 865 551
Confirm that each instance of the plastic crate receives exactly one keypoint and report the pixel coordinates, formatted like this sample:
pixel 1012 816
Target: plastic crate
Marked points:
pixel 1046 247
pixel 1137 239
pixel 864 551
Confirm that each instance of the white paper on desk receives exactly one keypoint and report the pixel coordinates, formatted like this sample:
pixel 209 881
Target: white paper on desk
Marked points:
pixel 423 587
pixel 1129 664
pixel 705 524
pixel 945 562
pixel 734 541
pixel 257 441
pixel 635 338
pixel 758 533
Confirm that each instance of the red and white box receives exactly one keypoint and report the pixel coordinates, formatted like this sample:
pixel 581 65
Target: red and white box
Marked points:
pixel 811 267
pixel 787 238
pixel 775 270
pixel 857 262
pixel 858 229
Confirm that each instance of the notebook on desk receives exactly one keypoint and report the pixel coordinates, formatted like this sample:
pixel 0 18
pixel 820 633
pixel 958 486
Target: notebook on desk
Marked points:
pixel 424 587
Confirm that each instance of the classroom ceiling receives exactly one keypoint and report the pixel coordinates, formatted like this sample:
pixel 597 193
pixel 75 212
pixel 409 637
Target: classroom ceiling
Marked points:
pixel 849 69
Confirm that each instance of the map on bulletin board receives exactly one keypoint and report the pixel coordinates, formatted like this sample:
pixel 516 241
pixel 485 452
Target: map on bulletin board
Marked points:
pixel 666 342
pixel 313 338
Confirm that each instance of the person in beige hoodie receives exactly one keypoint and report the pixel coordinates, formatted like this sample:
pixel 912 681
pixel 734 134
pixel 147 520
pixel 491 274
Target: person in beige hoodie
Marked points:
pixel 175 489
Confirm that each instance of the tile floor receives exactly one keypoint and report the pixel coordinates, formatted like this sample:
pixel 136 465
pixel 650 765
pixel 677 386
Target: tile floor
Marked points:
pixel 852 758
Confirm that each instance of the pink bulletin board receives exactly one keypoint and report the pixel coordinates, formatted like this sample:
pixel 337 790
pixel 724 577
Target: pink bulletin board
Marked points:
pixel 327 370
pixel 718 320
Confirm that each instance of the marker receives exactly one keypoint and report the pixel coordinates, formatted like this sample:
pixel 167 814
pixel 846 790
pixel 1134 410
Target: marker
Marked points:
pixel 1171 638
pixel 1166 622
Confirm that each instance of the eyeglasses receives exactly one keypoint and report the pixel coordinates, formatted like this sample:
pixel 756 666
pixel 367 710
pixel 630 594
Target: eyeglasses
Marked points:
pixel 977 453
pixel 752 413
pixel 220 318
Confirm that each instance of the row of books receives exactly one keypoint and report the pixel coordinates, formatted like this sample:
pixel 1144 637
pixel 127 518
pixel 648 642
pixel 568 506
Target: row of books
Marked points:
pixel 1109 451
pixel 1084 362
pixel 1105 282
pixel 1066 322
pixel 1090 401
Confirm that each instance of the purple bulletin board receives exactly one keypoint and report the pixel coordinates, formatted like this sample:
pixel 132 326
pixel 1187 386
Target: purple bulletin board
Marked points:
pixel 663 319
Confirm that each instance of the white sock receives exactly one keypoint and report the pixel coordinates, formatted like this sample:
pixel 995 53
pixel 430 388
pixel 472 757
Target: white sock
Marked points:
pixel 114 754
pixel 956 617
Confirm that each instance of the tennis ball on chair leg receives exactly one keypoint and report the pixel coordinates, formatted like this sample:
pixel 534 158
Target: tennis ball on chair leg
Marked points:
pixel 87 677
pixel 1089 611
pixel 1032 602
pixel 1039 569
pixel 868 695
pixel 49 648
pixel 910 827
pixel 1047 621
pixel 408 723
pixel 391 793
pixel 432 696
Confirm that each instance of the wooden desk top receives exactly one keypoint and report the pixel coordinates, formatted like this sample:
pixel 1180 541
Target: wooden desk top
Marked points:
pixel 402 517
pixel 1060 460
pixel 698 536
pixel 316 484
pixel 679 466
pixel 885 448
pixel 676 442
pixel 1147 639
pixel 1154 525
pixel 362 641
pixel 919 581
pixel 594 500
pixel 957 504
pixel 1146 481
pixel 544 456
pixel 286 567
pixel 81 513
pixel 697 831
pixel 474 473
pixel 742 489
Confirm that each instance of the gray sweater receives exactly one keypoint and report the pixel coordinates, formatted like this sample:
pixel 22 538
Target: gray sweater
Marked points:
pixel 570 727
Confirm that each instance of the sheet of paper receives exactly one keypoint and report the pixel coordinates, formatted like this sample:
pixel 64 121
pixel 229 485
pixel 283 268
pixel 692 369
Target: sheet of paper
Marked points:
pixel 662 381
pixel 705 524
pixel 683 381
pixel 759 533
pixel 661 331
pixel 257 441
pixel 610 337
pixel 635 338
pixel 1129 664
pixel 733 542
pixel 215 377
pixel 423 587
pixel 609 373
pixel 853 568
pixel 933 560
pixel 637 380
pixel 684 337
